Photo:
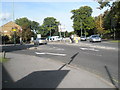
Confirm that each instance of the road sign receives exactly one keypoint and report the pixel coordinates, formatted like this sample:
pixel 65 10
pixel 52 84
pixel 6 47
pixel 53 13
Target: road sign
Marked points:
pixel 38 35
pixel 14 30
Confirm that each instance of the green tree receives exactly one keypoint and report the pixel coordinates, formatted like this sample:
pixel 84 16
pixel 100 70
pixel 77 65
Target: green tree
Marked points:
pixel 34 26
pixel 111 20
pixel 50 26
pixel 26 28
pixel 82 19
pixel 43 30
pixel 104 3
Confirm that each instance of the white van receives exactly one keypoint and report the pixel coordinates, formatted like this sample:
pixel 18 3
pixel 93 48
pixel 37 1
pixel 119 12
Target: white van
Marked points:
pixel 55 38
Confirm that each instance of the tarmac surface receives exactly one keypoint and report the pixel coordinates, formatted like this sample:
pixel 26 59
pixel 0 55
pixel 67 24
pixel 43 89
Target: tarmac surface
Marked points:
pixel 25 71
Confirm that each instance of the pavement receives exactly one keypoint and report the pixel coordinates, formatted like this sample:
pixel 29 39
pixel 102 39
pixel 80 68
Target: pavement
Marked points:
pixel 25 71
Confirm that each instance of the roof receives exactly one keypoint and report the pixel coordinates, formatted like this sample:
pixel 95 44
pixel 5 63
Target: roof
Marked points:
pixel 10 24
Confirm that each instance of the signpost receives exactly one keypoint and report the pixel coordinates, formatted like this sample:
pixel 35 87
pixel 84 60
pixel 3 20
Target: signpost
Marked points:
pixel 14 30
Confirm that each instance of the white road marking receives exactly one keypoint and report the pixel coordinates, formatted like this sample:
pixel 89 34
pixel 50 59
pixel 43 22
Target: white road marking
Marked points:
pixel 58 54
pixel 60 49
pixel 92 49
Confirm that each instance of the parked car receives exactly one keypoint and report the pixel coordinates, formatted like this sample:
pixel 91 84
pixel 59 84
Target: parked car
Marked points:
pixel 83 38
pixel 95 38
pixel 40 41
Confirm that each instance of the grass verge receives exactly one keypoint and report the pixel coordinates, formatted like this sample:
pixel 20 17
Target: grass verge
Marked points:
pixel 2 60
pixel 115 41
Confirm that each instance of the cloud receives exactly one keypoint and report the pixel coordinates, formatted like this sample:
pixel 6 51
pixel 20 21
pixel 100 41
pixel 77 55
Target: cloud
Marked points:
pixel 5 16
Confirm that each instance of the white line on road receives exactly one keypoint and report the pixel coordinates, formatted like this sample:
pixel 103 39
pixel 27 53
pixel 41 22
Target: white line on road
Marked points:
pixel 60 49
pixel 92 49
pixel 51 53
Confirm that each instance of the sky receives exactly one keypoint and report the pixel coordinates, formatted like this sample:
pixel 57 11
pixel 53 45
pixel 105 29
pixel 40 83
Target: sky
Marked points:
pixel 37 11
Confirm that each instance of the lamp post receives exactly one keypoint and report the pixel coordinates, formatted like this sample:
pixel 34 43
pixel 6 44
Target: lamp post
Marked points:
pixel 14 30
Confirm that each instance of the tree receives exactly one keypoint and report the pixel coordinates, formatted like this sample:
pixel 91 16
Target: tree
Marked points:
pixel 82 19
pixel 99 25
pixel 5 39
pixel 50 26
pixel 111 20
pixel 34 26
pixel 26 28
pixel 104 3
pixel 43 30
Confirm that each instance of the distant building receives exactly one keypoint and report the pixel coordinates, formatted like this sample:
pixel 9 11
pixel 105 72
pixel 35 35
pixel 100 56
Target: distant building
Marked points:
pixel 7 29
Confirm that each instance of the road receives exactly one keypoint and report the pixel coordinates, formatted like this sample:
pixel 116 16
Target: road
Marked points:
pixel 94 60
pixel 103 43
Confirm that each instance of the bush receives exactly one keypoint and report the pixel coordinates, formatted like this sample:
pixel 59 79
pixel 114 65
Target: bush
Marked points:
pixel 5 39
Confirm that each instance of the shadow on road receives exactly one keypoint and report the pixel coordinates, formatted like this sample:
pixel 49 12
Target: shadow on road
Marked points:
pixel 37 79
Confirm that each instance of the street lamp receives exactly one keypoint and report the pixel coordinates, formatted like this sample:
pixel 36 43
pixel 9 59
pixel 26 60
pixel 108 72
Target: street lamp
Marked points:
pixel 14 29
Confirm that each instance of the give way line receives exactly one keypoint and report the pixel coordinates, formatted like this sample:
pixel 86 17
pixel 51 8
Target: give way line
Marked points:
pixel 58 54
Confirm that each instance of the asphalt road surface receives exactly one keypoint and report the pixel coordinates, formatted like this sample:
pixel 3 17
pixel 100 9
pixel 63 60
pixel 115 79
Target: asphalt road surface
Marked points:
pixel 94 60
pixel 103 43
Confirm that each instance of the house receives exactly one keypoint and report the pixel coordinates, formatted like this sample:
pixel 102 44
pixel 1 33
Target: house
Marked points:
pixel 9 28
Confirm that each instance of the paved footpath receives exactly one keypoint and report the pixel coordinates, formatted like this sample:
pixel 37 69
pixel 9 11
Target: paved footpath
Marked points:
pixel 24 71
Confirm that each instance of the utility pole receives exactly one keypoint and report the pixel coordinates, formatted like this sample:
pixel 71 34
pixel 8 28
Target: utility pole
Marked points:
pixel 50 30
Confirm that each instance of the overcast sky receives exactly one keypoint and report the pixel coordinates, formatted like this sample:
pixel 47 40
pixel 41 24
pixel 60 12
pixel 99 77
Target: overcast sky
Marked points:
pixel 37 11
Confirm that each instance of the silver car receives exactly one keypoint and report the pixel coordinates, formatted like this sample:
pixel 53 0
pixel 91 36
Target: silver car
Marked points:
pixel 95 38
pixel 83 38
pixel 40 41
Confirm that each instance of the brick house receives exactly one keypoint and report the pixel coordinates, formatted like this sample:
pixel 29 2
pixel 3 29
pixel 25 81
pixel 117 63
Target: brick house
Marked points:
pixel 7 29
